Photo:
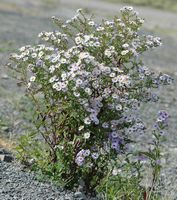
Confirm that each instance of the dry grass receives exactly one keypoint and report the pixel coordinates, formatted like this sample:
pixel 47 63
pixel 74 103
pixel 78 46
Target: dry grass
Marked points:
pixel 7 144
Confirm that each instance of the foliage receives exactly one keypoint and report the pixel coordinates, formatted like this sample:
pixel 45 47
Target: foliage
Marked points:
pixel 86 88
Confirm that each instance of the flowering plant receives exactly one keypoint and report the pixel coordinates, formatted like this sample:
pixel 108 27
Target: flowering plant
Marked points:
pixel 87 87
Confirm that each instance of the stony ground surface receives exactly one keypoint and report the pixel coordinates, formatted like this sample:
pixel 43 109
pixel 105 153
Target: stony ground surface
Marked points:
pixel 19 184
pixel 22 20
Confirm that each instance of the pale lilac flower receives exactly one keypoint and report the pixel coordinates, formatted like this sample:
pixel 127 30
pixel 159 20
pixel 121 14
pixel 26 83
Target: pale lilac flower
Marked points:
pixel 79 161
pixel 95 156
pixel 86 152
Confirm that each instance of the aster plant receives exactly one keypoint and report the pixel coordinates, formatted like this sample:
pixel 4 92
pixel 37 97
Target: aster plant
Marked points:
pixel 87 86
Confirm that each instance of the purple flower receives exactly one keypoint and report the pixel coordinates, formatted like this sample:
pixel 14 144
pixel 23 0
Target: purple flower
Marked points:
pixel 155 126
pixel 95 156
pixel 154 97
pixel 39 63
pixel 162 133
pixel 162 117
pixel 158 162
pixel 86 153
pixel 115 145
pixel 80 153
pixel 142 158
pixel 79 161
pixel 114 134
pixel 163 114
pixel 56 50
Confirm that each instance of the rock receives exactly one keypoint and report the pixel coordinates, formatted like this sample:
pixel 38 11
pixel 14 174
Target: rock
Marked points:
pixel 6 158
pixel 68 197
pixel 4 76
pixel 5 155
pixel 79 196
pixel 4 151
pixel 2 157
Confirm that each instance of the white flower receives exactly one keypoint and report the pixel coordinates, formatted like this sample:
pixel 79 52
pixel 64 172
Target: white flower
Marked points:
pixel 78 40
pixel 115 79
pixel 58 41
pixel 33 55
pixel 25 58
pixel 119 107
pixel 32 79
pixel 76 94
pixel 75 17
pixel 29 85
pixel 88 91
pixel 68 21
pixel 125 46
pixel 63 85
pixel 91 23
pixel 55 59
pixel 46 38
pixel 48 34
pixel 52 79
pixel 97 44
pixel 40 34
pixel 124 52
pixel 107 70
pixel 83 55
pixel 87 38
pixel 80 128
pixel 130 8
pixel 41 53
pixel 96 72
pixel 87 121
pixel 57 86
pixel 63 76
pixel 100 28
pixel 67 55
pixel 108 53
pixel 63 60
pixel 79 82
pixel 112 75
pixel 116 171
pixel 57 66
pixel 141 21
pixel 126 8
pixel 51 68
pixel 115 96
pixel 87 135
pixel 22 49
pixel 79 10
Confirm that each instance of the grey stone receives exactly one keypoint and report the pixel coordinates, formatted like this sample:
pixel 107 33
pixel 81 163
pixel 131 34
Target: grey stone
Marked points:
pixel 68 197
pixel 4 76
pixel 79 196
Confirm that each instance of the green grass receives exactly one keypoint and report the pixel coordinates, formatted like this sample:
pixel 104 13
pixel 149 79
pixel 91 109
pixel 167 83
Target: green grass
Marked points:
pixel 170 5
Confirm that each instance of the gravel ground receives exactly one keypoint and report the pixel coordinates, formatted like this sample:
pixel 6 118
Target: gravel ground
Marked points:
pixel 21 21
pixel 17 183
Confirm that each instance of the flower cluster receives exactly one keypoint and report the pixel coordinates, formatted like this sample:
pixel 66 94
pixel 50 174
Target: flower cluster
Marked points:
pixel 95 71
pixel 161 121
